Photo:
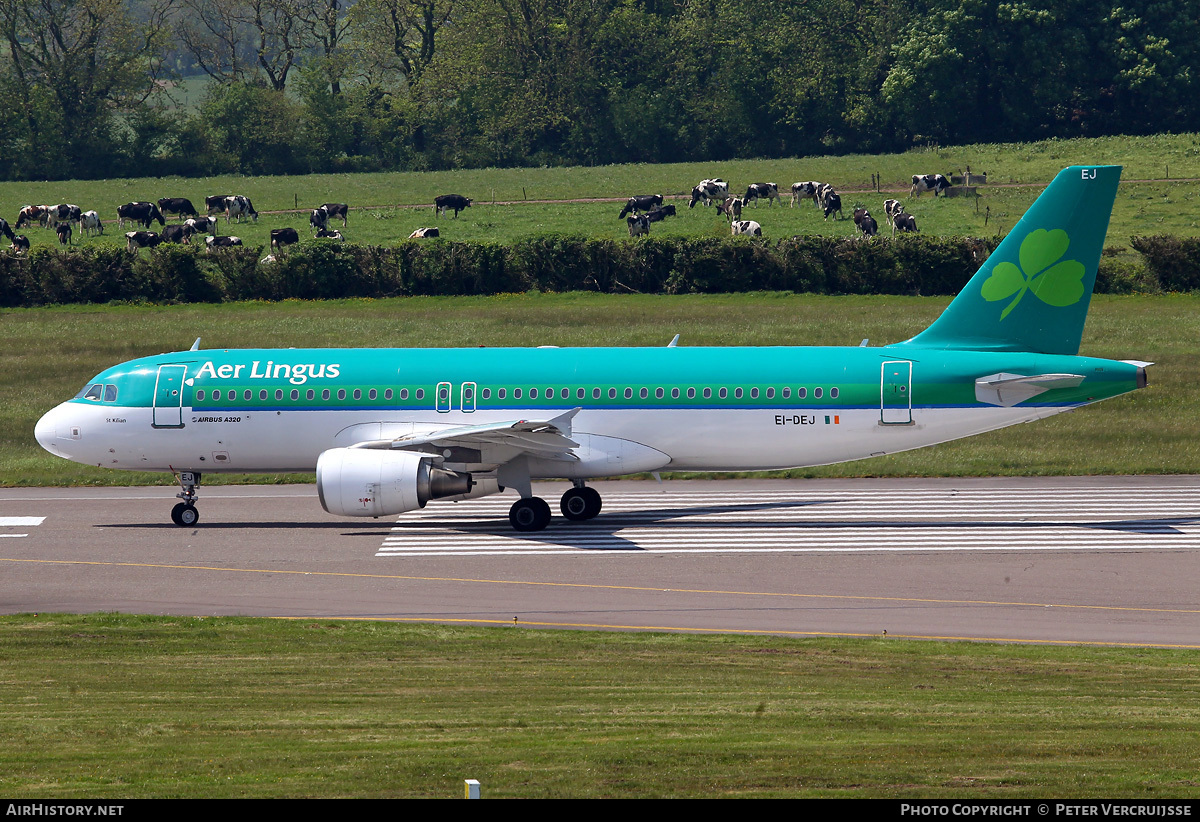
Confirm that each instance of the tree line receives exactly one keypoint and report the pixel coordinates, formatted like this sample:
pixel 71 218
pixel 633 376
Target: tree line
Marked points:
pixel 110 88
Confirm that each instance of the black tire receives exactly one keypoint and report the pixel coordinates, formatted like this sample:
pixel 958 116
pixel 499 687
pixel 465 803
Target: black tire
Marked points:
pixel 532 514
pixel 185 515
pixel 579 504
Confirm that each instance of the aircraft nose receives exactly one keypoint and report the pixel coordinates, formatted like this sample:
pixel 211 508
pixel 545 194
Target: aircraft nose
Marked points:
pixel 46 431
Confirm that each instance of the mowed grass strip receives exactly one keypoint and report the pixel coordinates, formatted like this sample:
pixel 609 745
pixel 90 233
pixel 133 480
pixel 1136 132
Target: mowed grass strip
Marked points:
pixel 116 706
pixel 48 354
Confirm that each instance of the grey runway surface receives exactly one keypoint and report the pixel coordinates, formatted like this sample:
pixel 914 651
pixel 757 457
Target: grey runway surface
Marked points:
pixel 1102 560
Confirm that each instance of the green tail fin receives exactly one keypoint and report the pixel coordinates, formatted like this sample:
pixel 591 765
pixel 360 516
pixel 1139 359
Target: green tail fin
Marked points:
pixel 1032 293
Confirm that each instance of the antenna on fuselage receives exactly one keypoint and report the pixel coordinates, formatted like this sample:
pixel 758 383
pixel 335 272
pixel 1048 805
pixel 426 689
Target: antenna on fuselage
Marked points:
pixel 195 345
pixel 674 341
pixel 863 344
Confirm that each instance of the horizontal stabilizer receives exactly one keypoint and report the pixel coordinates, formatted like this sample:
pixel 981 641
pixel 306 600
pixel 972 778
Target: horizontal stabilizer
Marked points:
pixel 1013 389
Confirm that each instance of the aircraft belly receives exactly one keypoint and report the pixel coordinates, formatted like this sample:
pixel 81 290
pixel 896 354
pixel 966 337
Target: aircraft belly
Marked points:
pixel 768 439
pixel 611 443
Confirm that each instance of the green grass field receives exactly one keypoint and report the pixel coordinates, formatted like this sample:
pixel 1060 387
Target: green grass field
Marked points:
pixel 384 212
pixel 49 353
pixel 108 706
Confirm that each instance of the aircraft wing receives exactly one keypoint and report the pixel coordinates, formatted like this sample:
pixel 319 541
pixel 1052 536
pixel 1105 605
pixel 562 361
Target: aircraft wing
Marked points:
pixel 546 439
pixel 1011 389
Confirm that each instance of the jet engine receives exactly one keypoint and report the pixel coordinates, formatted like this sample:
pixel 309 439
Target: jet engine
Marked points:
pixel 363 482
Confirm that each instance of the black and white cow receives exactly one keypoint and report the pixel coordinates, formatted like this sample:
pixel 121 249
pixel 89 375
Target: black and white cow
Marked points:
pixel 639 224
pixel 180 233
pixel 891 208
pixel 141 213
pixel 639 203
pixel 424 233
pixel 746 227
pixel 936 183
pixel 64 232
pixel 89 222
pixel 443 202
pixel 657 215
pixel 216 203
pixel 831 203
pixel 330 234
pixel 805 191
pixel 319 218
pixel 283 236
pixel 215 243
pixel 761 191
pixel 180 206
pixel 865 222
pixel 731 208
pixel 203 225
pixel 6 230
pixel 709 192
pixel 20 244
pixel 65 213
pixel 903 221
pixel 135 240
pixel 337 210
pixel 238 206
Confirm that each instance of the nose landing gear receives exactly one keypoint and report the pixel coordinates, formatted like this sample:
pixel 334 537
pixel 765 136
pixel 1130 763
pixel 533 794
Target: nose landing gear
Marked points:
pixel 185 513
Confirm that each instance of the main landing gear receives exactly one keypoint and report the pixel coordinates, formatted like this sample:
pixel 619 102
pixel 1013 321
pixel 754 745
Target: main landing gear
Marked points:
pixel 533 513
pixel 185 513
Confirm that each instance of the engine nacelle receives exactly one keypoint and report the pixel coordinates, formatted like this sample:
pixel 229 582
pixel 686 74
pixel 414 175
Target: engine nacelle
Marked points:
pixel 365 482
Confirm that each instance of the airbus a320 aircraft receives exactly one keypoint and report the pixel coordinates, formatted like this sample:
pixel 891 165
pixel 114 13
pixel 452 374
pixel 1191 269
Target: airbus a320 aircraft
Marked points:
pixel 388 430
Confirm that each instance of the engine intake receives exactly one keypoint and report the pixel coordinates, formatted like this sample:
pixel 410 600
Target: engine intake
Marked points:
pixel 362 482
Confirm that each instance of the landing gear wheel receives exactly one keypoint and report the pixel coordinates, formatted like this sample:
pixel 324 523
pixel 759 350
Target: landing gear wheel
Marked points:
pixel 530 514
pixel 580 504
pixel 184 514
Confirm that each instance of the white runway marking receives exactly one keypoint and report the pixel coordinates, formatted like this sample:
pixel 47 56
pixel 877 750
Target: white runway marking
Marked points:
pixel 19 522
pixel 841 521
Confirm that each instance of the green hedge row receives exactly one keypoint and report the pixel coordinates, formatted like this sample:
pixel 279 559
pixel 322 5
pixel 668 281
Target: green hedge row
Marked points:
pixel 325 269
pixel 1173 261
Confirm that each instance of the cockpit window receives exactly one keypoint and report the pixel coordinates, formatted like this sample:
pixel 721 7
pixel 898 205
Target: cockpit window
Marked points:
pixel 110 393
pixel 91 392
